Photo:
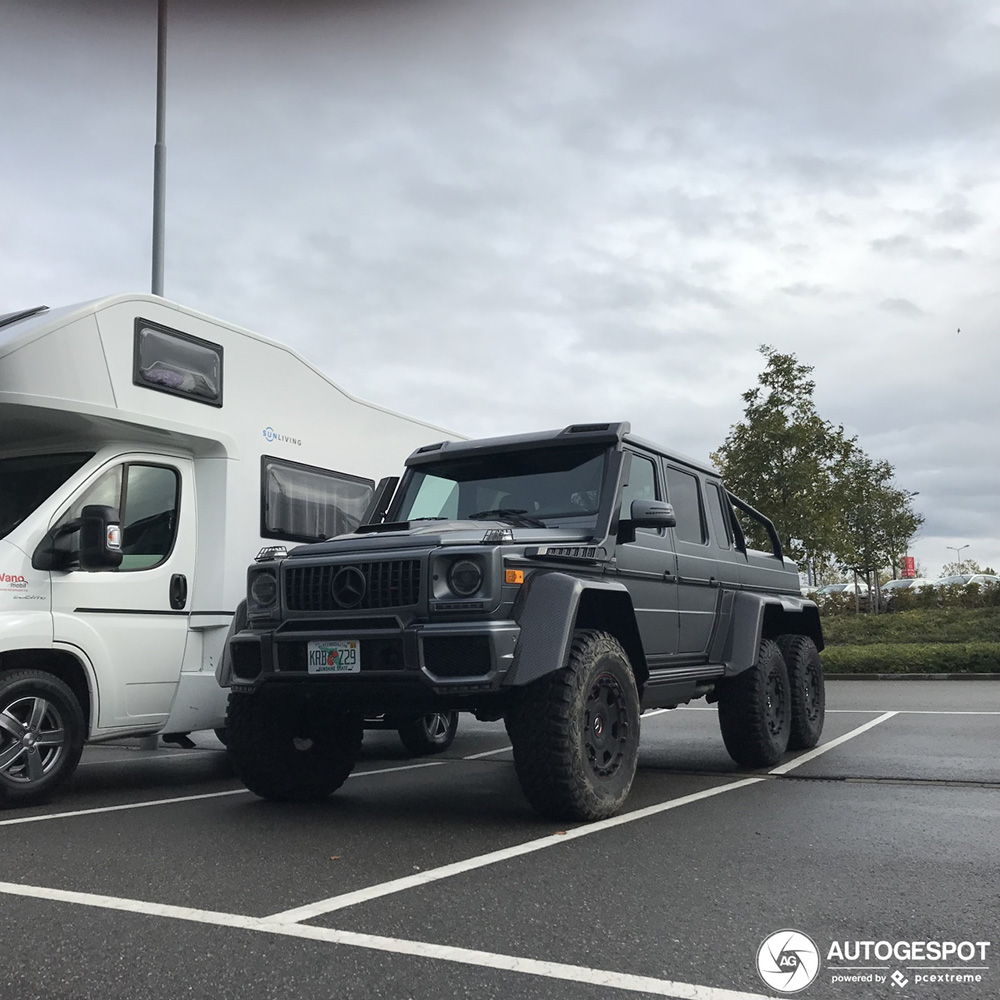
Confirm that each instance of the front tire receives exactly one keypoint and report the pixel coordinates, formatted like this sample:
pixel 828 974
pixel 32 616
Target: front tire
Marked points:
pixel 432 733
pixel 290 750
pixel 575 732
pixel 805 677
pixel 42 730
pixel 755 710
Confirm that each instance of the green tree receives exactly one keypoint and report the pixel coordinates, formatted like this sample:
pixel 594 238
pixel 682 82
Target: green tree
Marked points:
pixel 830 502
pixel 876 521
pixel 785 460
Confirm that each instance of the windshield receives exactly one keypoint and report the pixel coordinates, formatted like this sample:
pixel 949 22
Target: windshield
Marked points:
pixel 27 480
pixel 520 486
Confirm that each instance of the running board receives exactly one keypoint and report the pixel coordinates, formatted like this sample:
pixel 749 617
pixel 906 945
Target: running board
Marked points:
pixel 676 686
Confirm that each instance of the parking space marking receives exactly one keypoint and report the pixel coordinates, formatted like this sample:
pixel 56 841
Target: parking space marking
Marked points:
pixel 397 946
pixel 193 798
pixel 824 747
pixel 486 753
pixel 346 899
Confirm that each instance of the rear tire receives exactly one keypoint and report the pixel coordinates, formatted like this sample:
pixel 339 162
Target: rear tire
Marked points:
pixel 42 730
pixel 755 710
pixel 290 750
pixel 805 677
pixel 432 733
pixel 575 732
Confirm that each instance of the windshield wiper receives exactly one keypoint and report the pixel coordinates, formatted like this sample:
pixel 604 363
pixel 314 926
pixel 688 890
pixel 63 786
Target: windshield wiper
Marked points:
pixel 507 514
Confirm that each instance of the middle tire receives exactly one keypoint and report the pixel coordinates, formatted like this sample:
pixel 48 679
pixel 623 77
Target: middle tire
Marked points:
pixel 291 750
pixel 575 732
pixel 755 710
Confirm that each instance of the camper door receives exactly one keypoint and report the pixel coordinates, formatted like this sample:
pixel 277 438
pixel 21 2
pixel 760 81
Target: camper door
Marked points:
pixel 132 622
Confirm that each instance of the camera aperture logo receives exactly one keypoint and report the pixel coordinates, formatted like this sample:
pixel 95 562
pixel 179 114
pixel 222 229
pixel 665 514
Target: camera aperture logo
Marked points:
pixel 788 961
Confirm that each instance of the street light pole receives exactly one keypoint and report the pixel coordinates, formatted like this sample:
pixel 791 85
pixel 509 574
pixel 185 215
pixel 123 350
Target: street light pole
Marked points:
pixel 160 148
pixel 958 554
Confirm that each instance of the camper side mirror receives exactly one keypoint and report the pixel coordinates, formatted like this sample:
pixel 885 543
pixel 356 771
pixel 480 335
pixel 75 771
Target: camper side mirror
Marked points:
pixel 91 541
pixel 100 537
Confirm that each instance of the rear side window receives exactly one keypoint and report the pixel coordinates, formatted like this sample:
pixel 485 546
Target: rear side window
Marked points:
pixel 177 363
pixel 306 504
pixel 721 523
pixel 685 495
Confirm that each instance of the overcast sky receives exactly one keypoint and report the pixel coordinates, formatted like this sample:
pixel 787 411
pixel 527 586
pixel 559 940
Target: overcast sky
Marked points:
pixel 509 216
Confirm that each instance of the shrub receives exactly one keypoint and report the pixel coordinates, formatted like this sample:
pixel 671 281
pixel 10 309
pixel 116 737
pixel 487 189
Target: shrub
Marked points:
pixel 914 658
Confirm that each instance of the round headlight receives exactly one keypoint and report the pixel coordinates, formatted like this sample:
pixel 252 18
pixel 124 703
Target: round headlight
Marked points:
pixel 465 577
pixel 264 590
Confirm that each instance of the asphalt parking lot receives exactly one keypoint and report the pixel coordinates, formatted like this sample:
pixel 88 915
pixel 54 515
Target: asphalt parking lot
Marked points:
pixel 155 874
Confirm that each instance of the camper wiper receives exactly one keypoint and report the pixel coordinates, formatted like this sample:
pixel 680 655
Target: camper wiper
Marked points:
pixel 507 514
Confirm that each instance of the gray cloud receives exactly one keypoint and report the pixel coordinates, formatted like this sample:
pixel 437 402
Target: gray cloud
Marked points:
pixel 500 217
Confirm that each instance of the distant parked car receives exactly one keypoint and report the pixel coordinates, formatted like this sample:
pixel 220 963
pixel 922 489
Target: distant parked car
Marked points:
pixel 965 579
pixel 894 586
pixel 834 589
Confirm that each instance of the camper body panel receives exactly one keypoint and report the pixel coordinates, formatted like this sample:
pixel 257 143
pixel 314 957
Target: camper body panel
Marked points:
pixel 139 645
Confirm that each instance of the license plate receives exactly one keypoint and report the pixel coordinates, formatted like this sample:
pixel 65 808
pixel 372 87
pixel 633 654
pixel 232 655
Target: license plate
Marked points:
pixel 334 657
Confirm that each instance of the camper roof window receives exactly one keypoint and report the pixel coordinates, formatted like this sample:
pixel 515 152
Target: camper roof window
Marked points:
pixel 169 361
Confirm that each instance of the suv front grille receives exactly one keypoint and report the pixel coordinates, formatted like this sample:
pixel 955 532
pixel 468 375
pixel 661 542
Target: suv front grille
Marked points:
pixel 353 586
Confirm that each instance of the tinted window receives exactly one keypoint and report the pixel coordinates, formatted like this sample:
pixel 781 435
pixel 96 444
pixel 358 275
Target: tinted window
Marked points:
pixel 306 504
pixel 641 486
pixel 146 498
pixel 684 493
pixel 556 482
pixel 721 525
pixel 177 363
pixel 27 481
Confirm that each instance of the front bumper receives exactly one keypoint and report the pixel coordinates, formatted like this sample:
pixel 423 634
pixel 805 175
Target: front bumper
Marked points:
pixel 439 660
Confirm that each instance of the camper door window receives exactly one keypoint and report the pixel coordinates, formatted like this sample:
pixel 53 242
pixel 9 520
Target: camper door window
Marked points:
pixel 174 362
pixel 146 497
pixel 306 504
pixel 28 480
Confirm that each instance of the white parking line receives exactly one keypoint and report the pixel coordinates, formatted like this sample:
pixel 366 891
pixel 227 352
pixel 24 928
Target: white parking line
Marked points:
pixel 192 798
pixel 824 747
pixel 486 753
pixel 396 946
pixel 346 899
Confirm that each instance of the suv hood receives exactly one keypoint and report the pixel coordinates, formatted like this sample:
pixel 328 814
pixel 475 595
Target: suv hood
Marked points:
pixel 429 534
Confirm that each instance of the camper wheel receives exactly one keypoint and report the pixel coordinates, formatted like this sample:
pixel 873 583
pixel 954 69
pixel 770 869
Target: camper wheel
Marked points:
pixel 41 735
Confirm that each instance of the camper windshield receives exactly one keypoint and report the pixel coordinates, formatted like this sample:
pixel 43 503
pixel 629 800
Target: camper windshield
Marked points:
pixel 27 480
pixel 517 486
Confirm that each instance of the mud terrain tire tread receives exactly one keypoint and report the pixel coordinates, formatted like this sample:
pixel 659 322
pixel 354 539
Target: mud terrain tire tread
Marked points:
pixel 805 676
pixel 755 709
pixel 553 724
pixel 289 751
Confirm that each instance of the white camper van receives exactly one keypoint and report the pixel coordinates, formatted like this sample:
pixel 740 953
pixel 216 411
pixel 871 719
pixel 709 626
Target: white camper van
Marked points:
pixel 147 453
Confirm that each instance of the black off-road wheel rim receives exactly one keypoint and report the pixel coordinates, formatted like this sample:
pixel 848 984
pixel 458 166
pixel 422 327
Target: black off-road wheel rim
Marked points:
pixel 606 726
pixel 33 738
pixel 776 700
pixel 811 681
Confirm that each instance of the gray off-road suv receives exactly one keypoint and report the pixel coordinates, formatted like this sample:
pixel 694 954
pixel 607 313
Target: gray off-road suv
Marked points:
pixel 563 581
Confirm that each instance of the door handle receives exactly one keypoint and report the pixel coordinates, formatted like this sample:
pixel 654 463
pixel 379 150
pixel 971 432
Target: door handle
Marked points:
pixel 178 591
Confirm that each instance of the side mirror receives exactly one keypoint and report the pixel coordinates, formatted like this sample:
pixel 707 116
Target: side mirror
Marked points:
pixel 91 541
pixel 380 500
pixel 100 537
pixel 652 514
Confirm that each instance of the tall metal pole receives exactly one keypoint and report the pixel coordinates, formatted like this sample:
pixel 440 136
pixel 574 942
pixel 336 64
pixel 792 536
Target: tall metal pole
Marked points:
pixel 160 149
